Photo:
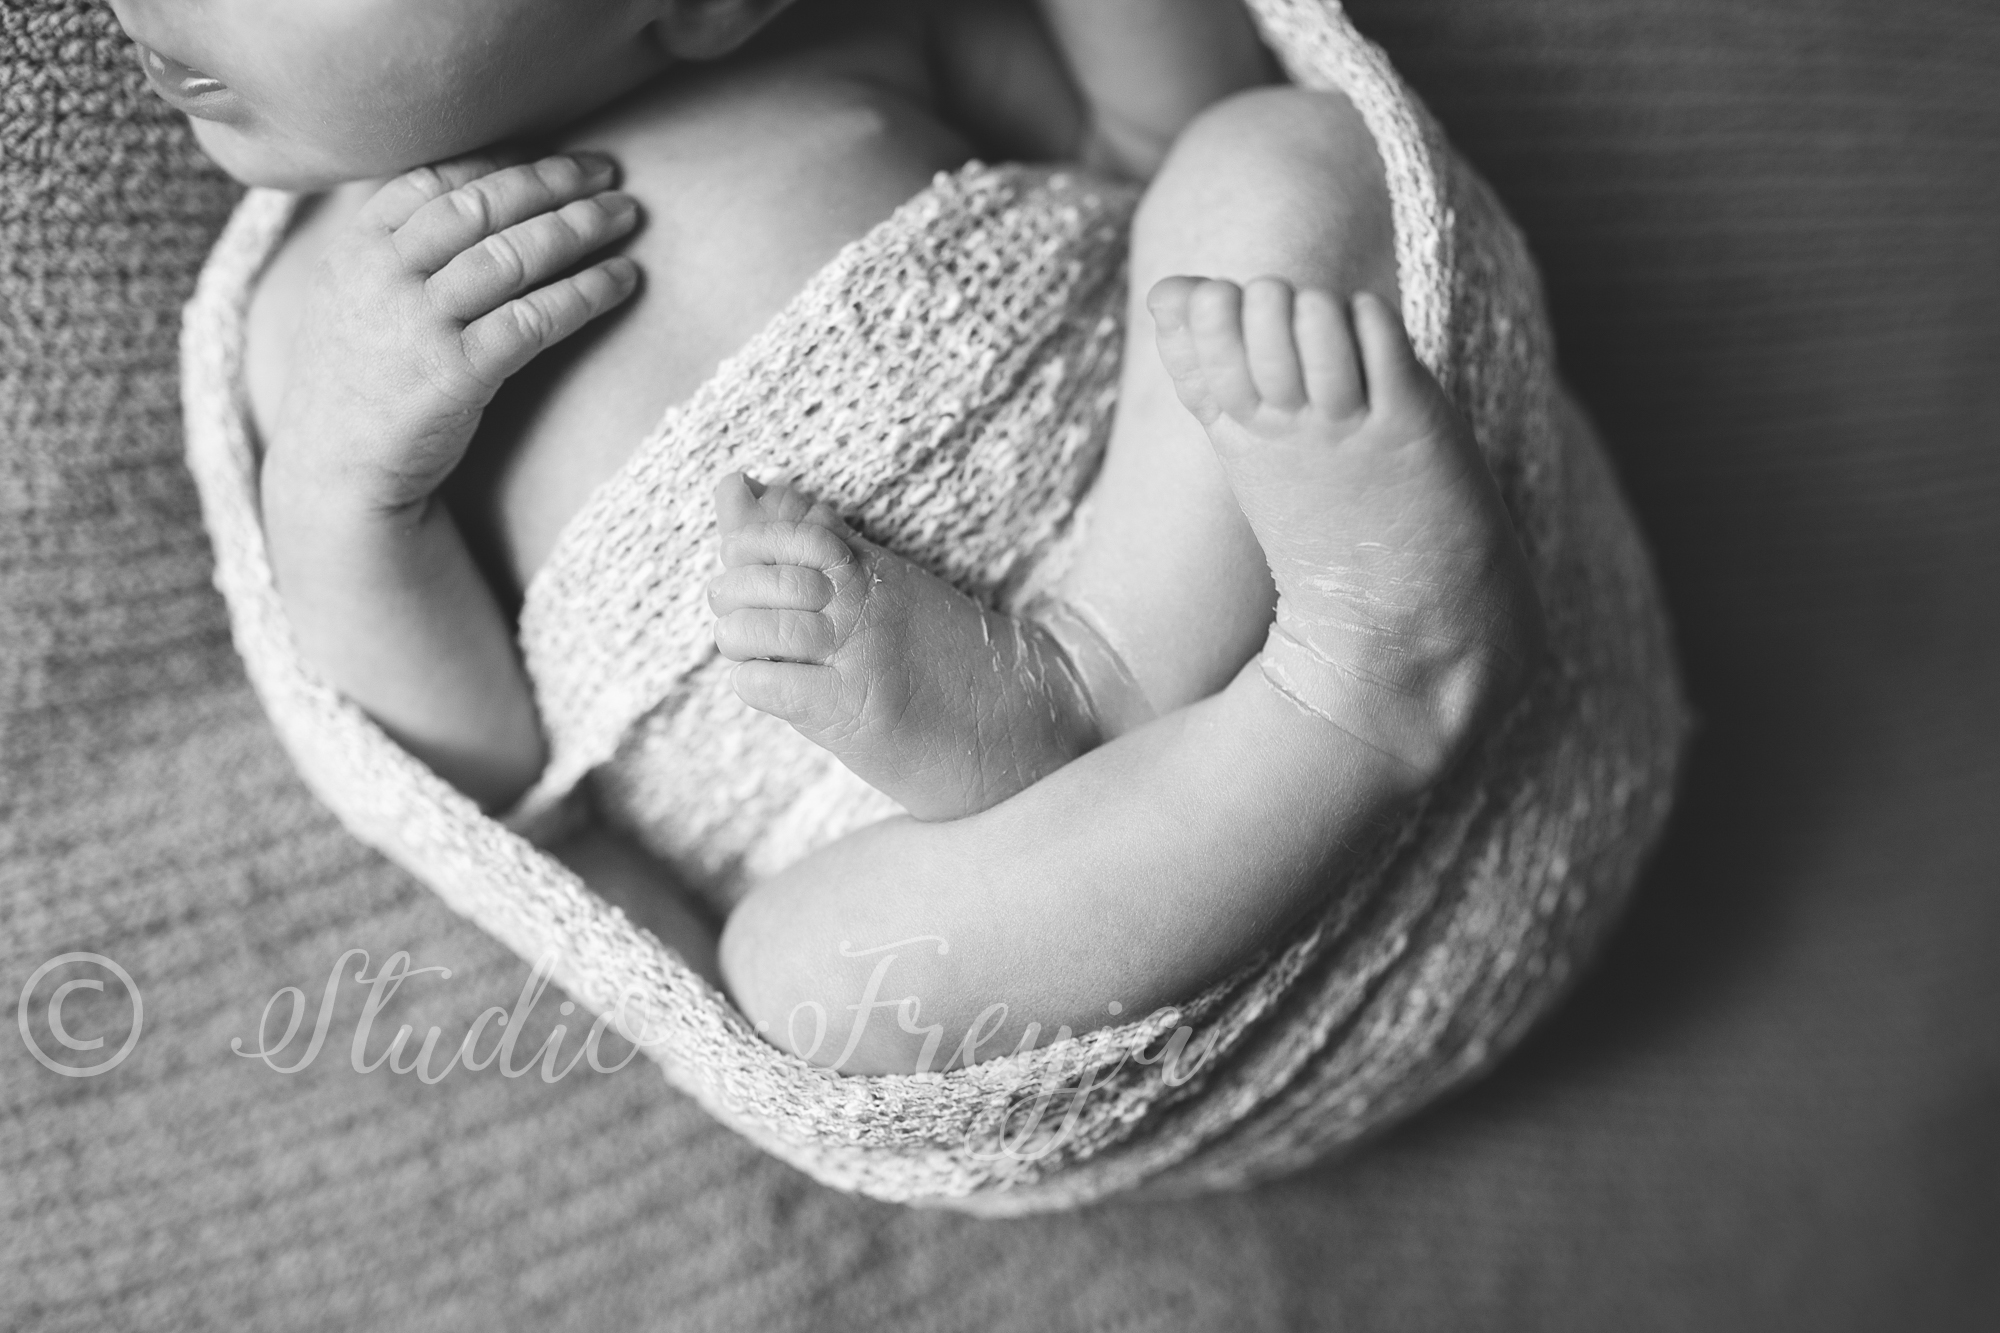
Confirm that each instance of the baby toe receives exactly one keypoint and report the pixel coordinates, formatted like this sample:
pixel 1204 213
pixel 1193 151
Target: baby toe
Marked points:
pixel 782 502
pixel 1168 302
pixel 1215 314
pixel 736 502
pixel 1270 351
pixel 1397 381
pixel 753 633
pixel 1327 356
pixel 803 694
pixel 776 587
pixel 786 542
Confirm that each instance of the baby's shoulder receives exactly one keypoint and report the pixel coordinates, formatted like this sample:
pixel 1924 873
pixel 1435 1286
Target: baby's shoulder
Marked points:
pixel 764 172
pixel 751 182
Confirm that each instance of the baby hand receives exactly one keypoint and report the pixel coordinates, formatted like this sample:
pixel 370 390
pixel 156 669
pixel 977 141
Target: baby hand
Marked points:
pixel 448 281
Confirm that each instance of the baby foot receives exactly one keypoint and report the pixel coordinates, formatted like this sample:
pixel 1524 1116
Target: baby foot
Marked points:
pixel 922 692
pixel 1405 609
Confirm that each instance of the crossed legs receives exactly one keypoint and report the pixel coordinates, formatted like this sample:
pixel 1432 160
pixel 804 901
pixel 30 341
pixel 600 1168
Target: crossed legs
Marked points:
pixel 1126 774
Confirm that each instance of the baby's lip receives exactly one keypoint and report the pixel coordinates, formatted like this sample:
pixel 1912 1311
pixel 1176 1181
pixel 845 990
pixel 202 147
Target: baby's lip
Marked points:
pixel 187 88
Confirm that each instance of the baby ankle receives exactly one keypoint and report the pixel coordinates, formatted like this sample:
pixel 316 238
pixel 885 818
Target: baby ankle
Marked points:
pixel 1421 715
pixel 1108 692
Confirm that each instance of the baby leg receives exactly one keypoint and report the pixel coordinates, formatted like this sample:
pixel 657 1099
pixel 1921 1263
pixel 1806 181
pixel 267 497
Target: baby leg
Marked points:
pixel 1404 608
pixel 1271 426
pixel 1273 182
pixel 950 708
pixel 1128 878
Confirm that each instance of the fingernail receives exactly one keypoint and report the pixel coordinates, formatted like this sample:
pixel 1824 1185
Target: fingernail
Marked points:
pixel 595 165
pixel 620 207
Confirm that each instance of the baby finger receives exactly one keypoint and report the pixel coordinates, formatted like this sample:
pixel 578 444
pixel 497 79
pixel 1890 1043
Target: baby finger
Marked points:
pixel 528 254
pixel 499 344
pixel 403 197
pixel 480 205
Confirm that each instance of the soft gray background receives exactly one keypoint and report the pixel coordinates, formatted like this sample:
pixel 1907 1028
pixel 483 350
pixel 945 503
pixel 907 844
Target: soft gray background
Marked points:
pixel 1772 235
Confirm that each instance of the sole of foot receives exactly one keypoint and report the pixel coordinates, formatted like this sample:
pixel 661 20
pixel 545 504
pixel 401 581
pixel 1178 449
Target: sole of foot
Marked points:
pixel 1405 608
pixel 923 693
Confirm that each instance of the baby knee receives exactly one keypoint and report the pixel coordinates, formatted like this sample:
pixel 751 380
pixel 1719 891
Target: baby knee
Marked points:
pixel 1279 180
pixel 1257 118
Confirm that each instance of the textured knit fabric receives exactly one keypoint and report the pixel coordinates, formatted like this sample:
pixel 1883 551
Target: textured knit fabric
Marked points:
pixel 947 381
pixel 1767 231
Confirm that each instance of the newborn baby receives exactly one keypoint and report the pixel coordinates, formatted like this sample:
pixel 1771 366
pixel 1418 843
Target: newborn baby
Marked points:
pixel 1116 796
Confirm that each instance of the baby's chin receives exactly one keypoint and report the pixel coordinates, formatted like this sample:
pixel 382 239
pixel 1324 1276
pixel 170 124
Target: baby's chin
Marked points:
pixel 258 159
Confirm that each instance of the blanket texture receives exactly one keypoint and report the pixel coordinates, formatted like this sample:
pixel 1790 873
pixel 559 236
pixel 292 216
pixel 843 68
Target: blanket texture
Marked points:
pixel 948 381
pixel 1768 236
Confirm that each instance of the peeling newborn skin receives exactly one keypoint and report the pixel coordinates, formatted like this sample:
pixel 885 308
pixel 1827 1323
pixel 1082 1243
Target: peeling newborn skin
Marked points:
pixel 1404 606
pixel 1393 559
pixel 939 703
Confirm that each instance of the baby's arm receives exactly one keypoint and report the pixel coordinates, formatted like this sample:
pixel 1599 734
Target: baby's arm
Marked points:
pixel 1110 83
pixel 447 282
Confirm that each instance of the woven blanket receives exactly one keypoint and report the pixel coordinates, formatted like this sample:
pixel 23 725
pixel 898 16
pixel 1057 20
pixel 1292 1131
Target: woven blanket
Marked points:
pixel 985 315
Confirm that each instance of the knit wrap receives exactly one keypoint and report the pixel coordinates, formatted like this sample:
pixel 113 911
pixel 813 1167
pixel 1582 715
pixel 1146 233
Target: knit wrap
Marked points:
pixel 948 382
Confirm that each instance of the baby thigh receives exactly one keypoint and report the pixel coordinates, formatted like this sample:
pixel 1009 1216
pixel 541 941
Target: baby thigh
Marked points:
pixel 1275 182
